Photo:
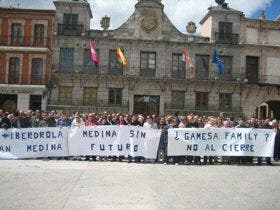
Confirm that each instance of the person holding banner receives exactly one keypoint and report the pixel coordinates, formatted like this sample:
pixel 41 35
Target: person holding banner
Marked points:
pixel 241 160
pixel 77 122
pixel 275 126
pixel 172 123
pixel 161 157
pixel 265 125
pixel 253 124
pixel 192 122
pixel 209 124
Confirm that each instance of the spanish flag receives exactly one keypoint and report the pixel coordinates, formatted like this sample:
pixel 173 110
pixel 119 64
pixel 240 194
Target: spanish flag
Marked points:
pixel 120 56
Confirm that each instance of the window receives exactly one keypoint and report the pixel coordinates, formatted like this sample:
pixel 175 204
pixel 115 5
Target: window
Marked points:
pixel 252 69
pixel 178 100
pixel 148 64
pixel 115 96
pixel 38 34
pixel 14 69
pixel 37 70
pixel 89 65
pixel 16 34
pixel 227 61
pixel 70 19
pixel 115 67
pixel 202 66
pixel 35 102
pixel 178 66
pixel 66 59
pixel 225 28
pixel 90 96
pixel 65 95
pixel 70 26
pixel 201 100
pixel 225 34
pixel 225 101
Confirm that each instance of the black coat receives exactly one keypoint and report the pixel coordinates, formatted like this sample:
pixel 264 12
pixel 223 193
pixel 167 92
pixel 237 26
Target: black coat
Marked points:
pixel 277 145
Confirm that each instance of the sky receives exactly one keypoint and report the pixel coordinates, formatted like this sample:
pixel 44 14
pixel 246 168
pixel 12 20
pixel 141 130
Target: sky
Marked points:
pixel 180 12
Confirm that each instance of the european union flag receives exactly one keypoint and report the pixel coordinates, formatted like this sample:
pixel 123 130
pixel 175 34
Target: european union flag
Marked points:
pixel 217 60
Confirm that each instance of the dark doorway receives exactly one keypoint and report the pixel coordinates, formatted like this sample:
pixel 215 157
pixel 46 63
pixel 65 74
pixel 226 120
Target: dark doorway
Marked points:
pixel 148 105
pixel 8 102
pixel 35 102
pixel 275 107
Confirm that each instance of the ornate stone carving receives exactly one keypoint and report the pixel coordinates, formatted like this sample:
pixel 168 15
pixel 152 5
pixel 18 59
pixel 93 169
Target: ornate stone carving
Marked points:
pixel 149 22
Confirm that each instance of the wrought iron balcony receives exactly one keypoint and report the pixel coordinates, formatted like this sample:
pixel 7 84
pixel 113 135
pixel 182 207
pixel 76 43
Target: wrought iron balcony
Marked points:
pixel 223 38
pixel 25 41
pixel 75 69
pixel 25 79
pixel 147 72
pixel 70 30
pixel 179 74
pixel 98 103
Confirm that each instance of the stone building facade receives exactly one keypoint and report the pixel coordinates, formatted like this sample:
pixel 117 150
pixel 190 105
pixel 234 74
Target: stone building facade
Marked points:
pixel 156 80
pixel 26 30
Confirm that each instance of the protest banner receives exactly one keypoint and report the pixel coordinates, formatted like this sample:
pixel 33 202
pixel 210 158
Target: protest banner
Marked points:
pixel 33 142
pixel 221 142
pixel 114 141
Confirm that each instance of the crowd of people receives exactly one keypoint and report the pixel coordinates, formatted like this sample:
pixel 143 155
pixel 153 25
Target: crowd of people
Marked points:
pixel 39 118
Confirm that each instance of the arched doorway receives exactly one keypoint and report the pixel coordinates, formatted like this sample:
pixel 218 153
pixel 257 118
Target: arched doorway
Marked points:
pixel 268 109
pixel 8 102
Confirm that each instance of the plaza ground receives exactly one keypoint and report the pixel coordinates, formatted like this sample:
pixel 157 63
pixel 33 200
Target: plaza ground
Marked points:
pixel 60 184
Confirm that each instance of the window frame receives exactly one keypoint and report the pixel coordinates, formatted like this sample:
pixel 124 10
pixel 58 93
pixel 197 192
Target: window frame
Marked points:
pixel 114 100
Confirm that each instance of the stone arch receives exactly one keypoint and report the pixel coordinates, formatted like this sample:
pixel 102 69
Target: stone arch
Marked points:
pixel 251 98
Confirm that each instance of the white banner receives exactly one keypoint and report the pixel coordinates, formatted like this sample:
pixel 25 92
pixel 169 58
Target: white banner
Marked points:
pixel 221 142
pixel 114 141
pixel 33 142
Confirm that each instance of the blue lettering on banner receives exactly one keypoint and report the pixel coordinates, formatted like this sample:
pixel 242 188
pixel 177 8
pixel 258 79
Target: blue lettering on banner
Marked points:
pixel 43 147
pixel 240 136
pixel 238 147
pixel 200 136
pixel 101 134
pixel 210 147
pixel 36 135
pixel 5 148
pixel 120 147
pixel 192 147
pixel 137 134
pixel 110 147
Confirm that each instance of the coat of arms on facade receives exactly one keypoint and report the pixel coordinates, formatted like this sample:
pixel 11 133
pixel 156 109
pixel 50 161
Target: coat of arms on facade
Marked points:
pixel 191 28
pixel 149 23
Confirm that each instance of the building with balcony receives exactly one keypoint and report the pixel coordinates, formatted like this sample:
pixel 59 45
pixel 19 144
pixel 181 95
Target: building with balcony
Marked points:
pixel 156 80
pixel 26 29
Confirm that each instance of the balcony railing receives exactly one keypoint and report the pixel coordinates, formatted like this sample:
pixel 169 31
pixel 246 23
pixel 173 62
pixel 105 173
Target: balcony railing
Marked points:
pixel 25 41
pixel 147 72
pixel 224 38
pixel 70 30
pixel 75 69
pixel 179 74
pixel 205 108
pixel 269 79
pixel 25 79
pixel 137 72
pixel 98 103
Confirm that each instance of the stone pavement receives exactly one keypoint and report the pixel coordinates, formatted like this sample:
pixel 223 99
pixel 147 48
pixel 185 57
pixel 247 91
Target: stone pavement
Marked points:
pixel 53 184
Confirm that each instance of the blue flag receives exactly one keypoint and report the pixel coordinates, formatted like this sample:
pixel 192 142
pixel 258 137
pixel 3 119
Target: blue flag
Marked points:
pixel 217 60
